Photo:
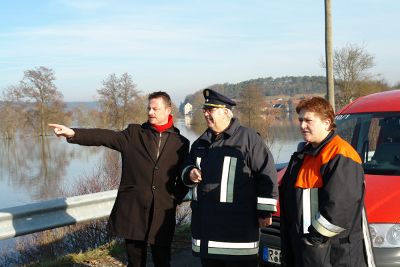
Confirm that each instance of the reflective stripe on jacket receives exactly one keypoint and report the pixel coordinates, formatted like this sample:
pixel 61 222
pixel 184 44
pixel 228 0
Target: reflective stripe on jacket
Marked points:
pixel 238 186
pixel 324 187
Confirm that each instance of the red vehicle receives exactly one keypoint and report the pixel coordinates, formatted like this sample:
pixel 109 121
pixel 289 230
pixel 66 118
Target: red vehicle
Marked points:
pixel 371 124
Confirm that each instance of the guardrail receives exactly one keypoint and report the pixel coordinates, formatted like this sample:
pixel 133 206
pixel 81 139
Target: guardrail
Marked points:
pixel 35 217
pixel 49 214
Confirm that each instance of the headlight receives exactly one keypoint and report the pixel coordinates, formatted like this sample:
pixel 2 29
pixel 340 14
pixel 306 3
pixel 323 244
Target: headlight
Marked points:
pixel 385 235
pixel 393 235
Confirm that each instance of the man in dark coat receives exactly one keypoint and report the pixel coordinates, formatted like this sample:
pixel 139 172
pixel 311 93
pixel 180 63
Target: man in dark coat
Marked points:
pixel 152 154
pixel 233 177
pixel 322 197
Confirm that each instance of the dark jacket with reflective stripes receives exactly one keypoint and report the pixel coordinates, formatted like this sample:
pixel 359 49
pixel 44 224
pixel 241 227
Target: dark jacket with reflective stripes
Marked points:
pixel 150 186
pixel 238 186
pixel 337 219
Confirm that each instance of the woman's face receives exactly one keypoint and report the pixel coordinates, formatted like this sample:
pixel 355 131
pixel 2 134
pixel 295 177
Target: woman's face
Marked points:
pixel 312 127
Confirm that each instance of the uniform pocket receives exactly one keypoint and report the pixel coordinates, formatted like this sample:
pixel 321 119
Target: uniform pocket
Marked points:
pixel 316 255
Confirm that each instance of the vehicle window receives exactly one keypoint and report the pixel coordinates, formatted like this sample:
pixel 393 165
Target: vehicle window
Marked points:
pixel 376 137
pixel 347 126
pixel 373 133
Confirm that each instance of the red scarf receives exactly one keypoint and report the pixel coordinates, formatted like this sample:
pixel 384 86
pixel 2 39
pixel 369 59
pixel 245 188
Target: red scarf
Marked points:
pixel 163 128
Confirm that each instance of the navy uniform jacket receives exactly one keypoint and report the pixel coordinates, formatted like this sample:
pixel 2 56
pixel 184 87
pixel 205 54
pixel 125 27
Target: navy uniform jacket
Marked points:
pixel 321 204
pixel 238 186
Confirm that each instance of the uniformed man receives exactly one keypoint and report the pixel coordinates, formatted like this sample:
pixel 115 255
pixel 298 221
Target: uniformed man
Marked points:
pixel 234 188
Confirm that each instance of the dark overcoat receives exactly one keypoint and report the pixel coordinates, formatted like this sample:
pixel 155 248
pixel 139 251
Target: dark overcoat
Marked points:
pixel 149 189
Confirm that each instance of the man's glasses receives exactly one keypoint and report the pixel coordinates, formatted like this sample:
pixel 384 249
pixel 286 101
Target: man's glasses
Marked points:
pixel 209 110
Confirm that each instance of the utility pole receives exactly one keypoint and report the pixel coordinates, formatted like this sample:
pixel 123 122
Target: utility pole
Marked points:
pixel 330 85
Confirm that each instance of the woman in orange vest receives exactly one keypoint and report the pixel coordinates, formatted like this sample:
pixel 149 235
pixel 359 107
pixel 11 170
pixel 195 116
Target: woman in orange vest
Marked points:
pixel 322 196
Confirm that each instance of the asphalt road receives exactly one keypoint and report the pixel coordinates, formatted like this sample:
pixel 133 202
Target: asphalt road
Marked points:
pixel 182 258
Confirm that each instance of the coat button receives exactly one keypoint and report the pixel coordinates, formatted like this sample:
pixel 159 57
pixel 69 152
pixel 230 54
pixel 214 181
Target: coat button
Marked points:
pixel 156 168
pixel 153 187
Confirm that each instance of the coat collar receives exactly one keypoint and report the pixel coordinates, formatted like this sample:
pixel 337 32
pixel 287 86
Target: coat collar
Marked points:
pixel 313 151
pixel 147 126
pixel 148 136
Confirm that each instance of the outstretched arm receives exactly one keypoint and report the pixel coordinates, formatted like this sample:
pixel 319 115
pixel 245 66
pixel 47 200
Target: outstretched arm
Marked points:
pixel 61 130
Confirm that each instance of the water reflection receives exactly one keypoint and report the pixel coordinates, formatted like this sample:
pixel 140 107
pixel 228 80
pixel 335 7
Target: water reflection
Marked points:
pixel 35 168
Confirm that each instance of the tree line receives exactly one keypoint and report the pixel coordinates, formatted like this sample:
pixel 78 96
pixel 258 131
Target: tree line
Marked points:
pixel 352 80
pixel 27 107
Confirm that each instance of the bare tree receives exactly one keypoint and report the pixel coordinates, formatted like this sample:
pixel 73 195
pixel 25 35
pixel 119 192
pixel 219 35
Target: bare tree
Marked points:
pixel 39 88
pixel 109 99
pixel 42 101
pixel 250 104
pixel 127 93
pixel 116 98
pixel 350 64
pixel 35 101
pixel 12 113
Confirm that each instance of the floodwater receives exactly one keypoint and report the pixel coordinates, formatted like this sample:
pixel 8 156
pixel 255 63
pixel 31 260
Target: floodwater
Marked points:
pixel 35 169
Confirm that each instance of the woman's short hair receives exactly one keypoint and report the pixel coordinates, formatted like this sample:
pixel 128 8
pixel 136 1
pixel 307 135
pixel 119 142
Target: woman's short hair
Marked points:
pixel 319 106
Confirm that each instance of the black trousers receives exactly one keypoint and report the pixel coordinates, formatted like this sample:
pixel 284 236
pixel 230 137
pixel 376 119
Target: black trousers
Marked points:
pixel 137 254
pixel 229 263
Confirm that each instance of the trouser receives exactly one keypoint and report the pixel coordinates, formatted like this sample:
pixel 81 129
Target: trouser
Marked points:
pixel 137 254
pixel 229 263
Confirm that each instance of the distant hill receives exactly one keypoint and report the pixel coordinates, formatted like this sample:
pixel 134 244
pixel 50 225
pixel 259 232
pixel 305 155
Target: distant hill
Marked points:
pixel 287 85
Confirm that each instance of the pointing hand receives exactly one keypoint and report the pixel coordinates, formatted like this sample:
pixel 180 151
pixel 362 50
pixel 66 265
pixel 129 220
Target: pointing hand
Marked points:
pixel 61 130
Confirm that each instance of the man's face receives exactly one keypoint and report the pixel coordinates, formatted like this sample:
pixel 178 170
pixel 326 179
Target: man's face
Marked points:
pixel 158 112
pixel 216 118
pixel 312 127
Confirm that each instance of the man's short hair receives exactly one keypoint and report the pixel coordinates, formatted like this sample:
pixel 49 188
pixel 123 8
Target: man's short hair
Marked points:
pixel 320 106
pixel 163 95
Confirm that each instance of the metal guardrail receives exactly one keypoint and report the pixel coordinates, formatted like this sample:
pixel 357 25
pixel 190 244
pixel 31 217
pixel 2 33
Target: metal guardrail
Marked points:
pixel 49 214
pixel 35 217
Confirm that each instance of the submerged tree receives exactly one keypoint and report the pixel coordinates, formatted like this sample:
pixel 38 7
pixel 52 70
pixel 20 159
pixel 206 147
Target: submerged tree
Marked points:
pixel 118 100
pixel 251 104
pixel 38 87
pixel 12 113
pixel 39 99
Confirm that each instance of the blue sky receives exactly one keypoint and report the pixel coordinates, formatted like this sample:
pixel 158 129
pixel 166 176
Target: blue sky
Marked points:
pixel 184 46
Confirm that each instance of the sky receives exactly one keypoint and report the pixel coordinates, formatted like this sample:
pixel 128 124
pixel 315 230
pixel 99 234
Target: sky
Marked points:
pixel 184 46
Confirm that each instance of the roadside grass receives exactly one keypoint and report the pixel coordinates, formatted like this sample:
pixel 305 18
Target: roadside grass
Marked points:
pixel 110 254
